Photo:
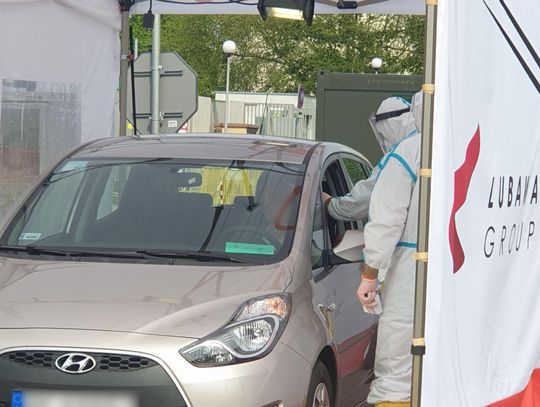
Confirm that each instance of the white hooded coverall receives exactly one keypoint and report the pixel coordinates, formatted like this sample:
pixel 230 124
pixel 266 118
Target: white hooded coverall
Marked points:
pixel 355 205
pixel 390 237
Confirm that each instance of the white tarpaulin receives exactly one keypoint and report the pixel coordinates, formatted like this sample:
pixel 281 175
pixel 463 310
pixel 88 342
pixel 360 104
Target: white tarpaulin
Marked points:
pixel 483 334
pixel 59 64
pixel 250 7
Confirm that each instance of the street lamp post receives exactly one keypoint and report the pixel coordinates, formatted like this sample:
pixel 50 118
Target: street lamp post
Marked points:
pixel 229 48
pixel 155 116
pixel 376 64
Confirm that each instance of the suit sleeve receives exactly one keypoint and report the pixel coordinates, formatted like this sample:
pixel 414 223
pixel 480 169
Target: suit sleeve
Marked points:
pixel 355 205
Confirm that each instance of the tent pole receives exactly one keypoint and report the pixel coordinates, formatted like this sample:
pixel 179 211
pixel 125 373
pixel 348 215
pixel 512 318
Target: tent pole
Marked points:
pixel 155 119
pixel 418 346
pixel 132 46
pixel 124 64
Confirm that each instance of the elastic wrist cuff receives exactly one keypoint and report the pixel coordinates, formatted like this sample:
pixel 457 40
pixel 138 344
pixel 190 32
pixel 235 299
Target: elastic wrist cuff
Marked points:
pixel 327 203
pixel 370 273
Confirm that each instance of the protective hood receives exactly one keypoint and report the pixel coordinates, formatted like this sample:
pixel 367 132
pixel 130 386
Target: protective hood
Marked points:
pixel 392 122
pixel 416 109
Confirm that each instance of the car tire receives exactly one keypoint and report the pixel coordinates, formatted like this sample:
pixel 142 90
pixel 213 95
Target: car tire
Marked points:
pixel 321 390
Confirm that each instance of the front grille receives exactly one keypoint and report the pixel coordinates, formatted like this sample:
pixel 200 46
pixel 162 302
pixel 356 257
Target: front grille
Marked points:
pixel 123 362
pixel 147 380
pixel 105 362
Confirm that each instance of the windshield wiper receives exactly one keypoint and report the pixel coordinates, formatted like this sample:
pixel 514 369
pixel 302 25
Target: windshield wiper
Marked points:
pixel 34 250
pixel 139 254
pixel 199 256
pixel 37 250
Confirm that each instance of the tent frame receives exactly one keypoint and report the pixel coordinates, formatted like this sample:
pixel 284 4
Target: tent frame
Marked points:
pixel 125 7
pixel 428 89
pixel 418 341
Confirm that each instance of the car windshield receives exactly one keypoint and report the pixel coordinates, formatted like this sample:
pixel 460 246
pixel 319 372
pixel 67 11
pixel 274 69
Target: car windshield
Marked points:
pixel 161 207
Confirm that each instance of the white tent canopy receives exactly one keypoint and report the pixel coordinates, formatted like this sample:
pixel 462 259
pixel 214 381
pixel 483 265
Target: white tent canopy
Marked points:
pixel 68 42
pixel 105 11
pixel 250 7
pixel 59 62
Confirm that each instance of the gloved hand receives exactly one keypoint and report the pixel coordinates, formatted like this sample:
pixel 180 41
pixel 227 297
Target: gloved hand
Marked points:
pixel 366 292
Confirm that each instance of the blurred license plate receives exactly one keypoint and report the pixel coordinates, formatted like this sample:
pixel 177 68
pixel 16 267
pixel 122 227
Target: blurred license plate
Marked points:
pixel 49 398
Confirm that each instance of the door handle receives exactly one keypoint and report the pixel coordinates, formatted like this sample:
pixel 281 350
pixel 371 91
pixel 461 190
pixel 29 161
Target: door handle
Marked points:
pixel 328 308
pixel 327 311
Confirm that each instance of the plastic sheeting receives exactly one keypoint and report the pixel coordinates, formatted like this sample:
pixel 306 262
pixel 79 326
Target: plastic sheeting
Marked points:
pixel 59 63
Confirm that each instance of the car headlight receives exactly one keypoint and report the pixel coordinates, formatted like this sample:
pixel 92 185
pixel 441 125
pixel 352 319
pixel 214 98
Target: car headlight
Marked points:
pixel 251 334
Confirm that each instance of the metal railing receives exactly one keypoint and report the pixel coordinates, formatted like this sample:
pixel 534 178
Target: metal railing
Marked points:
pixel 281 120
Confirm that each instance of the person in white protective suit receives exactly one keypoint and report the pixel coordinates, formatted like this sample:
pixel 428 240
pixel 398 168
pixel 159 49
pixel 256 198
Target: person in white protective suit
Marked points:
pixel 355 205
pixel 390 243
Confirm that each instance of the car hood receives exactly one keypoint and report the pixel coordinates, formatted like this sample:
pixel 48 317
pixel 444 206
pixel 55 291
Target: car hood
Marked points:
pixel 178 300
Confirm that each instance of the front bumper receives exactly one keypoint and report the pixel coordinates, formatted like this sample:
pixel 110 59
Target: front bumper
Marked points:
pixel 281 378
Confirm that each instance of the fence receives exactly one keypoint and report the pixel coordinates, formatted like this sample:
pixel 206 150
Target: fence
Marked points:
pixel 281 120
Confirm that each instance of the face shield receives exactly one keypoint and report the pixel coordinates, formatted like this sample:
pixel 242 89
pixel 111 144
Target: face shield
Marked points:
pixel 375 121
pixel 416 109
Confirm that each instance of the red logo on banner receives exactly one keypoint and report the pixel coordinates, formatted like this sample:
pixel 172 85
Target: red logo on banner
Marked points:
pixel 529 397
pixel 462 180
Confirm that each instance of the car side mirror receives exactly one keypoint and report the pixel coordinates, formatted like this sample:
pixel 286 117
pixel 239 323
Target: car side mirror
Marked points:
pixel 349 250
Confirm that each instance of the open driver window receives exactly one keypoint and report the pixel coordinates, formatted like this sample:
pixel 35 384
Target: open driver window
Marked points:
pixel 335 184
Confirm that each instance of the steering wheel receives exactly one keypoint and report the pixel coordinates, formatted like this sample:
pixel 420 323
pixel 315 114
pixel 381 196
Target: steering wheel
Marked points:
pixel 251 231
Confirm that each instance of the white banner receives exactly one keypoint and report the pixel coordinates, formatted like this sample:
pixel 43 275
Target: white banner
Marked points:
pixel 59 67
pixel 483 318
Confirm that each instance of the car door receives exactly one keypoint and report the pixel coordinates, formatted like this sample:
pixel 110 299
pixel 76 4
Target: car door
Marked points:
pixel 334 283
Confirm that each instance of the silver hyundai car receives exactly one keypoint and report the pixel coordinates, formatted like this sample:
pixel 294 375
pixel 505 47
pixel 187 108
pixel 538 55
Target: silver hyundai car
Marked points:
pixel 180 271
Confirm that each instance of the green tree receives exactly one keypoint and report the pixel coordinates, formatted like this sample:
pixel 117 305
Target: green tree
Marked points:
pixel 277 55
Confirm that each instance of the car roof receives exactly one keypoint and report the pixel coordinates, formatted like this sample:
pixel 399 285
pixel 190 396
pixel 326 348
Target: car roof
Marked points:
pixel 201 146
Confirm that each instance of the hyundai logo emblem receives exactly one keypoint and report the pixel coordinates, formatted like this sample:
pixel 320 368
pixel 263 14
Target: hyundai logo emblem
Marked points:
pixel 75 363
